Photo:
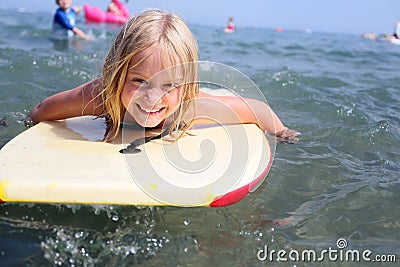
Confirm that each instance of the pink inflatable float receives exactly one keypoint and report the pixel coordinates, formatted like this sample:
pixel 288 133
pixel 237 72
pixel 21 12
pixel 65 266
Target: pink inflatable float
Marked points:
pixel 95 14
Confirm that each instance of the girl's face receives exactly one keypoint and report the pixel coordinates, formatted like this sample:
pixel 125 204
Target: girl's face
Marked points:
pixel 150 94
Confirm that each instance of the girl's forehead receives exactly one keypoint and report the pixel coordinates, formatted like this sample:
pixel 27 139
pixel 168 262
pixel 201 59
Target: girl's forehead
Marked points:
pixel 153 60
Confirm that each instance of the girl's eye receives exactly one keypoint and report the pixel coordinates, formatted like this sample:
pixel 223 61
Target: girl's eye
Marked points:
pixel 169 86
pixel 138 80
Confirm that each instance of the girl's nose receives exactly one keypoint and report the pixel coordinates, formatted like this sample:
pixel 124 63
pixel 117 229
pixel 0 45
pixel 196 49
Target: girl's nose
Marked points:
pixel 153 94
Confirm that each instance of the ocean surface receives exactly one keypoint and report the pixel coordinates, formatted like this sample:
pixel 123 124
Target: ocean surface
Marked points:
pixel 341 181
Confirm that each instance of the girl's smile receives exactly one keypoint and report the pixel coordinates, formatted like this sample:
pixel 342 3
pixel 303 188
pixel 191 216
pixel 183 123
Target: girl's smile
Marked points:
pixel 150 110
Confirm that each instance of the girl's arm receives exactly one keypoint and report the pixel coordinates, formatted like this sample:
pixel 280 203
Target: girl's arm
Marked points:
pixel 80 101
pixel 231 109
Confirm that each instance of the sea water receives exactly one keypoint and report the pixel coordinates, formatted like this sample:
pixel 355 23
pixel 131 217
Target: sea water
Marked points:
pixel 339 182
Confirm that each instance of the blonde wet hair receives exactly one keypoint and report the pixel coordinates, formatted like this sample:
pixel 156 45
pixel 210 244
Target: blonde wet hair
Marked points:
pixel 153 29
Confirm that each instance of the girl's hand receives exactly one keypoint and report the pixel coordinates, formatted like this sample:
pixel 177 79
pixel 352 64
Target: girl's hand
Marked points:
pixel 287 136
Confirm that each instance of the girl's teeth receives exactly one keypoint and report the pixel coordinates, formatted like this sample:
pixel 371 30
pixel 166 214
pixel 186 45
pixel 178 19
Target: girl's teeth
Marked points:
pixel 150 110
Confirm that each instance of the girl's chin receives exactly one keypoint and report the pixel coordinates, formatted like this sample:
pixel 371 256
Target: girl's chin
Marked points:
pixel 143 120
pixel 149 121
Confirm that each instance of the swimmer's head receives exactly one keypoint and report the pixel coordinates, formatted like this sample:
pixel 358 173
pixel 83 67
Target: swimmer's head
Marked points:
pixel 158 34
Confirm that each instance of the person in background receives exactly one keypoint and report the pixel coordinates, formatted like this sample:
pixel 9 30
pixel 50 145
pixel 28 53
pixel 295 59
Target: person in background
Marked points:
pixel 119 9
pixel 396 33
pixel 230 27
pixel 64 21
pixel 113 8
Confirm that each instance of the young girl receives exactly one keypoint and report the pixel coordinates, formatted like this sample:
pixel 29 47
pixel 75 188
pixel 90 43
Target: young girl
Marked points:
pixel 130 91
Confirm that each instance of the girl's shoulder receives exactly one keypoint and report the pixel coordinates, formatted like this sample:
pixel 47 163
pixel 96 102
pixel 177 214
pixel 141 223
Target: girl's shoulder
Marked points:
pixel 87 97
pixel 215 93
